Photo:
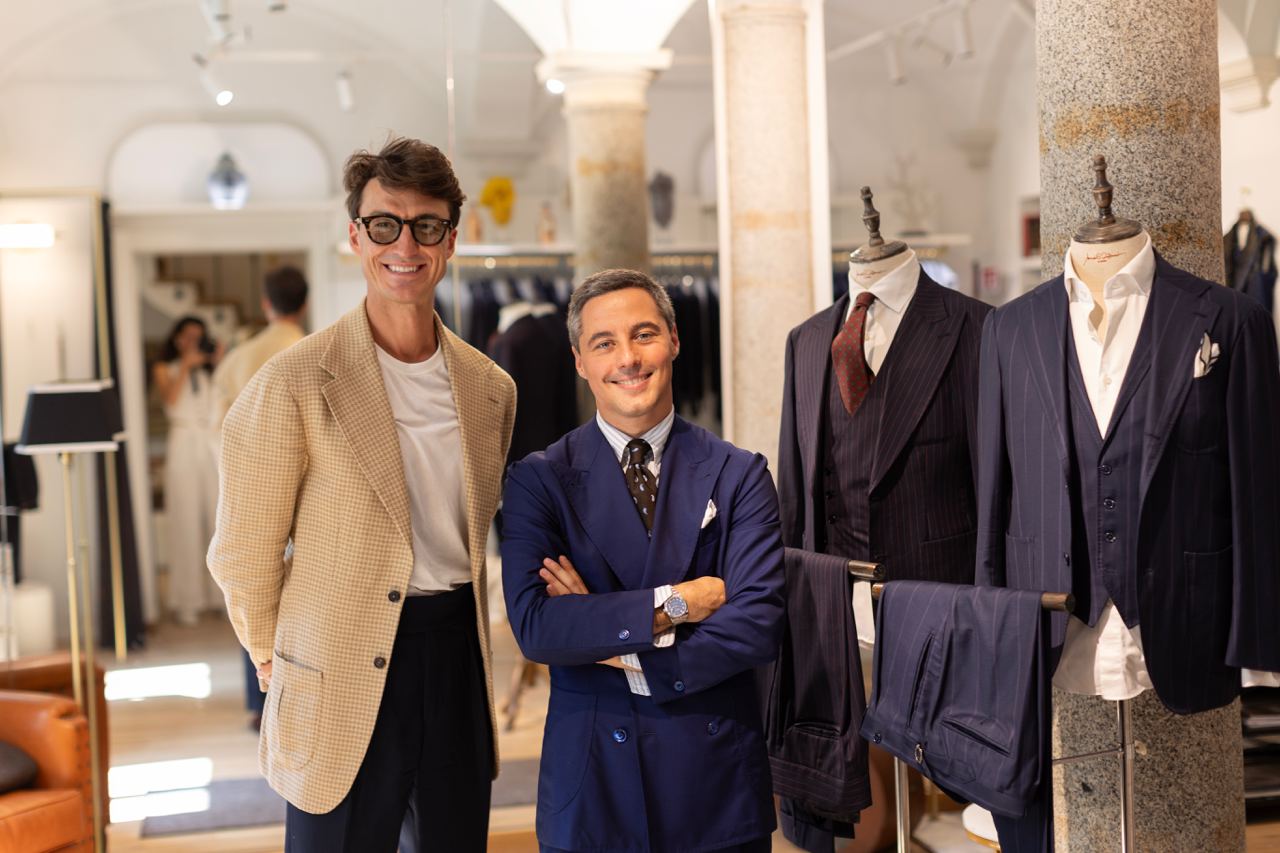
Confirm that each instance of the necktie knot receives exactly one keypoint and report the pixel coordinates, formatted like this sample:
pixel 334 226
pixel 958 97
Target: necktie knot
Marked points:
pixel 637 451
pixel 864 300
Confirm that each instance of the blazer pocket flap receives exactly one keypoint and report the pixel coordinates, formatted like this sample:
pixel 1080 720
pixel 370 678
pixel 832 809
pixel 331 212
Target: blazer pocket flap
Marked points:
pixel 990 732
pixel 296 712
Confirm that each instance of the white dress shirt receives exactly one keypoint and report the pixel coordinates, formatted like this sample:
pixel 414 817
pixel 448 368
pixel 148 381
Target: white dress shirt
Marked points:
pixel 657 438
pixel 893 293
pixel 1107 660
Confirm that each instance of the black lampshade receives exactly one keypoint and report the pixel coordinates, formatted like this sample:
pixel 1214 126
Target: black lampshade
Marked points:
pixel 71 417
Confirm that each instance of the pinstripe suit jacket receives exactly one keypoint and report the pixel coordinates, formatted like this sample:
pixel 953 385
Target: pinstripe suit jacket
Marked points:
pixel 1208 545
pixel 310 456
pixel 921 497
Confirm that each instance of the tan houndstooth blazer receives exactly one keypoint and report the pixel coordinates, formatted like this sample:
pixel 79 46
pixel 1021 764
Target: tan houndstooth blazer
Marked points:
pixel 310 455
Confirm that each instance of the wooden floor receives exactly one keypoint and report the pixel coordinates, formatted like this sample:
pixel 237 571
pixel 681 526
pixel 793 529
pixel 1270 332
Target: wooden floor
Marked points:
pixel 170 728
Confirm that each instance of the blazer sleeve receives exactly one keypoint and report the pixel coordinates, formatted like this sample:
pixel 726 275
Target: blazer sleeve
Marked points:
pixel 568 630
pixel 790 469
pixel 747 629
pixel 261 466
pixel 993 474
pixel 1253 412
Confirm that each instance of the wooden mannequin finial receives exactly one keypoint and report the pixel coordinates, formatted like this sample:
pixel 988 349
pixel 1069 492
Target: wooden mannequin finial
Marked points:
pixel 876 249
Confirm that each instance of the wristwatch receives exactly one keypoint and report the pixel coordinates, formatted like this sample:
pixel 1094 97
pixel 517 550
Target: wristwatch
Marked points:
pixel 674 605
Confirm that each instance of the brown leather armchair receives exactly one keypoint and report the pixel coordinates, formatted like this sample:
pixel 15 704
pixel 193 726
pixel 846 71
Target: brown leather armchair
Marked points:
pixel 57 814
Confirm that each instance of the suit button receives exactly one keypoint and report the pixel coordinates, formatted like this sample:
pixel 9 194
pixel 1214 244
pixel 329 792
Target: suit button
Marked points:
pixel 393 596
pixel 713 727
pixel 1108 503
pixel 877 737
pixel 1066 558
pixel 379 662
pixel 624 634
pixel 679 686
pixel 1106 470
pixel 620 735
pixel 1110 536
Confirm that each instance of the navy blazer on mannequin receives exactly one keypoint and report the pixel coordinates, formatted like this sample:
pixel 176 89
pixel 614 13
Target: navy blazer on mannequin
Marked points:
pixel 686 768
pixel 922 509
pixel 1208 543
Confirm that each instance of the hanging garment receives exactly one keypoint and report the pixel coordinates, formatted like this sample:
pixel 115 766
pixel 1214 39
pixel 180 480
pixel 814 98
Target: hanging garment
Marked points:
pixel 813 697
pixel 1251 264
pixel 960 692
pixel 532 346
pixel 191 495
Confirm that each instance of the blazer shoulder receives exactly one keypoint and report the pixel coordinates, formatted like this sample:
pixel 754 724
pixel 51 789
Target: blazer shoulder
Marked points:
pixel 822 321
pixel 974 309
pixel 303 358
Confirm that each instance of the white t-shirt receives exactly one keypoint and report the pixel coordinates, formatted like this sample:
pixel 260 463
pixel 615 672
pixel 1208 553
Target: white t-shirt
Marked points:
pixel 431 450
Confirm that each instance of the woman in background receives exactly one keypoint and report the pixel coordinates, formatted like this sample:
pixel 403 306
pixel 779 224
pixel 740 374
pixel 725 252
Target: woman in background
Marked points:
pixel 183 376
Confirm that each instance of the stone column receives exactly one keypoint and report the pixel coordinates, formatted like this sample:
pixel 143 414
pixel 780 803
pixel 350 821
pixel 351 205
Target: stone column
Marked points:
pixel 1137 81
pixel 605 108
pixel 767 259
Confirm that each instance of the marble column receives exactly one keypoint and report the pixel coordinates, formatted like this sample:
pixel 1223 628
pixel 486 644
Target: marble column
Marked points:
pixel 1137 81
pixel 765 204
pixel 605 108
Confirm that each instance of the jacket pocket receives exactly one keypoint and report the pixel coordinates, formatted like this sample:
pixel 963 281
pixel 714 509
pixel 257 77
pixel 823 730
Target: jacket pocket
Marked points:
pixel 295 711
pixel 566 749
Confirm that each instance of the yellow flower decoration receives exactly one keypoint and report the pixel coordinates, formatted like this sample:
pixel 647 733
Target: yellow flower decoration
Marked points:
pixel 499 195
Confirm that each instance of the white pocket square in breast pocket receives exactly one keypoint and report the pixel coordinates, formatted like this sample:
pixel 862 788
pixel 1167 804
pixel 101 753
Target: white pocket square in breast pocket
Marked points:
pixel 709 514
pixel 1206 357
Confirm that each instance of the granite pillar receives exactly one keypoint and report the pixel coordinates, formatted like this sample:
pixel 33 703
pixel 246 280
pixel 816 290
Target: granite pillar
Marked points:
pixel 766 229
pixel 1137 81
pixel 605 110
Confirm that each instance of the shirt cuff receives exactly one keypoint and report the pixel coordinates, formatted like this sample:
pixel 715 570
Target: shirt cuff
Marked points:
pixel 668 637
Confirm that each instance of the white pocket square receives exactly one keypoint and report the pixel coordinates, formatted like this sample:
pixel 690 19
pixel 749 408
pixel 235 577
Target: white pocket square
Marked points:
pixel 709 514
pixel 1206 357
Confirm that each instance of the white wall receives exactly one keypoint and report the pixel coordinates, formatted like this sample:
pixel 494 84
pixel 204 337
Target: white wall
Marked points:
pixel 47 326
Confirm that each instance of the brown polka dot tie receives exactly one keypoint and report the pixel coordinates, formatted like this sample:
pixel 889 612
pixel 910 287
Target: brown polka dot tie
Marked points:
pixel 640 480
pixel 848 358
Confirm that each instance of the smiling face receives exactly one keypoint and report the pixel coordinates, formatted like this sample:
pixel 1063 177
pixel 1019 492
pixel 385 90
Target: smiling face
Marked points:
pixel 403 272
pixel 625 353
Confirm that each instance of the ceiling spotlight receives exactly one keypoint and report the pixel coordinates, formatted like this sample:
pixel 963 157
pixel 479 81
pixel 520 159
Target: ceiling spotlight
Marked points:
pixel 893 56
pixel 219 10
pixel 555 86
pixel 277 5
pixel 964 34
pixel 221 94
pixel 224 97
pixel 346 94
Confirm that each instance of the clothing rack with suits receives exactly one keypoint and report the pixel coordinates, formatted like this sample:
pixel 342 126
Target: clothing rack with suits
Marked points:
pixel 1249 252
pixel 692 281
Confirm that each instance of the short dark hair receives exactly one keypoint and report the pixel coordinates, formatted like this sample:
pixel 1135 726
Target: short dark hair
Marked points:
pixel 403 164
pixel 607 281
pixel 286 290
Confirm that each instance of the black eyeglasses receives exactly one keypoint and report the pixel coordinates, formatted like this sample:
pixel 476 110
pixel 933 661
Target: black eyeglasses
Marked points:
pixel 384 228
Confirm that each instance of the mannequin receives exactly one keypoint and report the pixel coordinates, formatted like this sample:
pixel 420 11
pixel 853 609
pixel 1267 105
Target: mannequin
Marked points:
pixel 875 463
pixel 1126 428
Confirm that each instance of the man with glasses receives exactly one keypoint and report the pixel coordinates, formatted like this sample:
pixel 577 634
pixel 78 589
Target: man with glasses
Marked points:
pixel 360 471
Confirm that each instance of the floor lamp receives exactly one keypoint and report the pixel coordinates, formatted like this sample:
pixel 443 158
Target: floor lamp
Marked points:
pixel 67 419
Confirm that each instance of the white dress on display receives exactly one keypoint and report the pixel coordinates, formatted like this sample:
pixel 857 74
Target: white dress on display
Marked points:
pixel 191 495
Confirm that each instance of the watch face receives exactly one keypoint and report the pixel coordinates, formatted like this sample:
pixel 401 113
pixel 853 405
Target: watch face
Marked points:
pixel 676 607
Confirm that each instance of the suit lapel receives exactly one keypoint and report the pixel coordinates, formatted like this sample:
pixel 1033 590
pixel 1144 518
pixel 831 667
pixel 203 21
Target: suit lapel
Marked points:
pixel 599 497
pixel 1047 351
pixel 1180 318
pixel 921 350
pixel 813 358
pixel 358 400
pixel 688 478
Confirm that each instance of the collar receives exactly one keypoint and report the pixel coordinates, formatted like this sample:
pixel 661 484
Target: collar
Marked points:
pixel 895 289
pixel 1138 274
pixel 657 437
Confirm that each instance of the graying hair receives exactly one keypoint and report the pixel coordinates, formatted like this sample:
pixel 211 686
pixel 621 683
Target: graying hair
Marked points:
pixel 607 281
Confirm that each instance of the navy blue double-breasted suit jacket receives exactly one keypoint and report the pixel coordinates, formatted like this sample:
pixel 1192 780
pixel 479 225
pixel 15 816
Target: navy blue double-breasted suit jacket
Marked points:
pixel 1208 543
pixel 686 768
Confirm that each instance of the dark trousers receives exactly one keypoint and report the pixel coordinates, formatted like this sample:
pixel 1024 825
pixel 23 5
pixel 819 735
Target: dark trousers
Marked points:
pixel 254 698
pixel 430 756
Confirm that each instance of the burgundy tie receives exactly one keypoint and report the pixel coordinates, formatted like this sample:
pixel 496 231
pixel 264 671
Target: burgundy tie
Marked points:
pixel 848 358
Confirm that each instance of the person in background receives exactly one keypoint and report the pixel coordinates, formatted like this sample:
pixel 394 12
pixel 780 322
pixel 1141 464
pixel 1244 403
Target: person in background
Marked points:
pixel 284 301
pixel 183 377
